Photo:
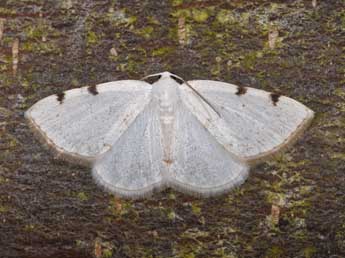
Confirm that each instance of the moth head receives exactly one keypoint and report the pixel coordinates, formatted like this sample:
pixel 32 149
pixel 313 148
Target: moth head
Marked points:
pixel 152 78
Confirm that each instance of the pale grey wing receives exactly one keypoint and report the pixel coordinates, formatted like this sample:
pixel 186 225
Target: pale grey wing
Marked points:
pixel 253 124
pixel 85 122
pixel 200 164
pixel 133 167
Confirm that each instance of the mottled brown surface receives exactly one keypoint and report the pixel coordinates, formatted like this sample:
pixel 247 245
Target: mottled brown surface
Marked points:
pixel 293 206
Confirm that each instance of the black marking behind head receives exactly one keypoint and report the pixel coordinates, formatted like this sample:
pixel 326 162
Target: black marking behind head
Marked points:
pixel 60 97
pixel 93 89
pixel 176 79
pixel 152 79
pixel 274 98
pixel 241 90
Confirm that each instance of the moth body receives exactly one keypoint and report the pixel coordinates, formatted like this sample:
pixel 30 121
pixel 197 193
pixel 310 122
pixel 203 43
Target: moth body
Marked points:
pixel 165 90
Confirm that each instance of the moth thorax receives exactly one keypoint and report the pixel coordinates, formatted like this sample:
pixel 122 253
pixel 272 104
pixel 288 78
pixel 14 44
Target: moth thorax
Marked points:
pixel 167 119
pixel 166 102
pixel 166 112
pixel 166 108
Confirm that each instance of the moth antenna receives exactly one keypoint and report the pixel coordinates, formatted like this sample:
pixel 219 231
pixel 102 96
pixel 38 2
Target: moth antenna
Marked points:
pixel 149 78
pixel 151 75
pixel 203 98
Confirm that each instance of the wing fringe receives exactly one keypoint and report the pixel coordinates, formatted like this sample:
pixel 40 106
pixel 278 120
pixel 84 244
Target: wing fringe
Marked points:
pixel 148 191
pixel 285 145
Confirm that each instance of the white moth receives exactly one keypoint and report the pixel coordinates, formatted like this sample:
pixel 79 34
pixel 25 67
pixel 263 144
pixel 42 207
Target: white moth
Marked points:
pixel 199 136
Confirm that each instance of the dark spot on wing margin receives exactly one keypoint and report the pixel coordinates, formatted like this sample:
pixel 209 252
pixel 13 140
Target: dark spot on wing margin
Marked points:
pixel 274 98
pixel 93 90
pixel 60 97
pixel 241 90
pixel 178 80
pixel 152 79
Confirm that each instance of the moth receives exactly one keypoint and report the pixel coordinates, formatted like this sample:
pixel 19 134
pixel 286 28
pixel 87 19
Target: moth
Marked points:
pixel 199 137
